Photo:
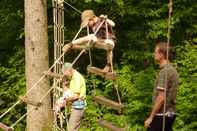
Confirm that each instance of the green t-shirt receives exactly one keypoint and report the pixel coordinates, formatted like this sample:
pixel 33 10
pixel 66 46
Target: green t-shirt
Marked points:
pixel 77 84
pixel 169 73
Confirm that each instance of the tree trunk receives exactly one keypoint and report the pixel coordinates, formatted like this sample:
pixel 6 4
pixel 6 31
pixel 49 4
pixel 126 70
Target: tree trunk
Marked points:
pixel 37 61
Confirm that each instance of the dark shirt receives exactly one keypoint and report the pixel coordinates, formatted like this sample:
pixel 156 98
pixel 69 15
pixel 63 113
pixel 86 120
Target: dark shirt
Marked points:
pixel 169 73
pixel 102 32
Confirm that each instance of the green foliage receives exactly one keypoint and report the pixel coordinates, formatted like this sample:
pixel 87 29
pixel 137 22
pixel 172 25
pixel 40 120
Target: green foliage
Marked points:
pixel 187 93
pixel 136 90
pixel 12 86
pixel 138 24
pixel 12 69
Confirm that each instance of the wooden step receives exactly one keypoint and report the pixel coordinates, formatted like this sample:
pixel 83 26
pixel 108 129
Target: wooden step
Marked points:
pixel 100 72
pixel 110 126
pixel 109 103
pixel 5 127
pixel 27 101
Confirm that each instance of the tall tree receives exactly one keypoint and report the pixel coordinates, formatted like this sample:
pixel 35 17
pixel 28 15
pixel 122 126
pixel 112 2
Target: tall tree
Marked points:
pixel 37 61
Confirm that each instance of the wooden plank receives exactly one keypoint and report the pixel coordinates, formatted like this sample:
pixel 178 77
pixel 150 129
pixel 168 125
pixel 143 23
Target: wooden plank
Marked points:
pixel 109 103
pixel 110 126
pixel 5 127
pixel 27 101
pixel 100 72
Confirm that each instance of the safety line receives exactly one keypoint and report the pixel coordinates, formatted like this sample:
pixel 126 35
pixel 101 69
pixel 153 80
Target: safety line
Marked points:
pixel 170 6
pixel 73 7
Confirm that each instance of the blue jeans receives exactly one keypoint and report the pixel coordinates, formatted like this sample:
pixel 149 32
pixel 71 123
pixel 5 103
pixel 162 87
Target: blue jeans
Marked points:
pixel 79 104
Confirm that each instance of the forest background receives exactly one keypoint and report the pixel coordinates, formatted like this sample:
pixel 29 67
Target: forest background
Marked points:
pixel 139 23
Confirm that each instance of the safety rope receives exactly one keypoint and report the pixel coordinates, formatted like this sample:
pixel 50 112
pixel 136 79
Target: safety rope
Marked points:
pixel 90 56
pixel 99 27
pixel 106 27
pixel 73 7
pixel 77 33
pixel 107 36
pixel 35 85
pixel 59 22
pixel 170 6
pixel 22 117
pixel 58 56
pixel 116 87
pixel 89 49
pixel 59 40
pixel 87 43
pixel 42 98
pixel 75 60
pixel 10 109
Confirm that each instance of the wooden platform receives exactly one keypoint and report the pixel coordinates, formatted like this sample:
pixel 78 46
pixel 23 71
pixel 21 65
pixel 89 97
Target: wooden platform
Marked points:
pixel 100 72
pixel 5 127
pixel 108 103
pixel 110 126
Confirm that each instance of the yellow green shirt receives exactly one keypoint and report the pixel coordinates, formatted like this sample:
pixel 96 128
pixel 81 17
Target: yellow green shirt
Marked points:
pixel 77 84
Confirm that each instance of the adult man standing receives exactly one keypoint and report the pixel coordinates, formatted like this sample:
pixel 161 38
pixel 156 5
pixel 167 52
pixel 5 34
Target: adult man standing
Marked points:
pixel 78 88
pixel 164 92
pixel 102 36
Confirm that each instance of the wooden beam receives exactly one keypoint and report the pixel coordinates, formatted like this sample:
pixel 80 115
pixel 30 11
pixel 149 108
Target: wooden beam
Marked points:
pixel 109 103
pixel 5 127
pixel 100 72
pixel 110 126
pixel 27 101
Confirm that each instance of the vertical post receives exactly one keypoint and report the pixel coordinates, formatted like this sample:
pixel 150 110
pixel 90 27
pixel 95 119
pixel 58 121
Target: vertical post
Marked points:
pixel 36 62
pixel 58 21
